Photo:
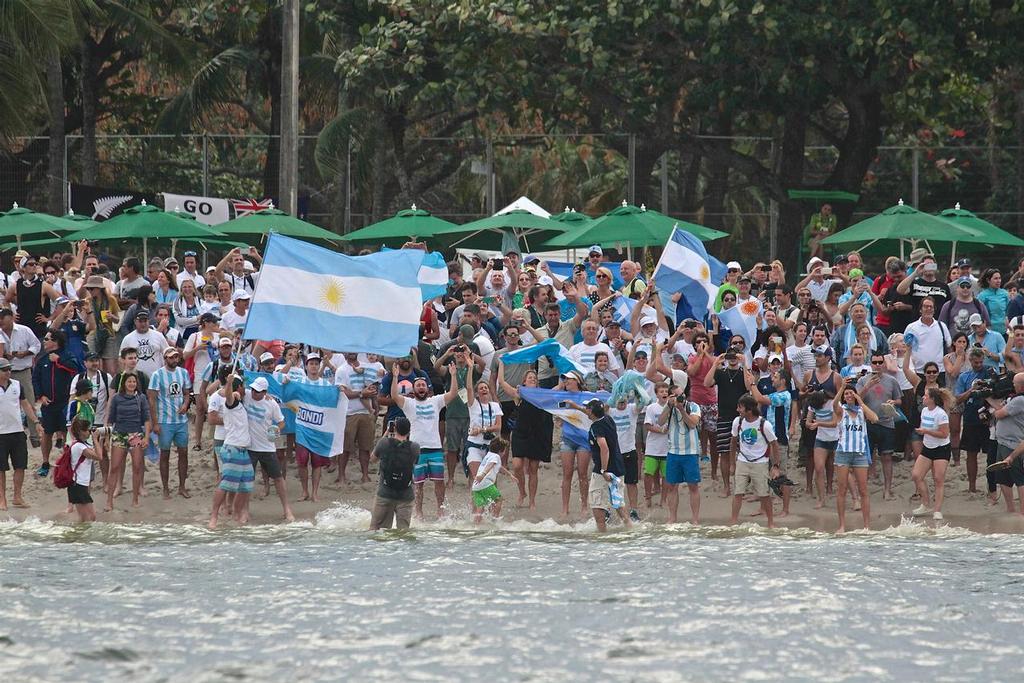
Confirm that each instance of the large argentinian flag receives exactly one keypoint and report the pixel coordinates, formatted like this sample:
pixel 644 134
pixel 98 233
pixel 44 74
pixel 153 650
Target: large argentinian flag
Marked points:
pixel 575 424
pixel 309 294
pixel 316 412
pixel 686 267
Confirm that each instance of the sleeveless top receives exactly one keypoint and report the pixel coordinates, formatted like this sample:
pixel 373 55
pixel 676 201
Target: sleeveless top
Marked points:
pixel 30 304
pixel 828 386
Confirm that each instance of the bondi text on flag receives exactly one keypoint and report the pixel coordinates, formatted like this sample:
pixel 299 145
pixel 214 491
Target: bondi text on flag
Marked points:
pixel 315 296
pixel 316 413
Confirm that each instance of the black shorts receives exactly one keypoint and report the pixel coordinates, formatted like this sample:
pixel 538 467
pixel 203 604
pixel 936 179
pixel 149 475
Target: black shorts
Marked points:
pixel 268 461
pixel 882 439
pixel 79 495
pixel 54 418
pixel 1013 476
pixel 974 437
pixel 13 451
pixel 937 453
pixel 632 475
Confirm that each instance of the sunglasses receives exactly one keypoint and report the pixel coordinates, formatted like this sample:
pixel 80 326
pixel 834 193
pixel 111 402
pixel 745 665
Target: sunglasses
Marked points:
pixel 602 276
pixel 804 295
pixel 173 266
pixel 30 264
pixel 931 372
pixel 878 362
pixel 190 253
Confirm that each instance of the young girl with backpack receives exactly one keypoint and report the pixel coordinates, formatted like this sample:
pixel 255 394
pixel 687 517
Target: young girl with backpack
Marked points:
pixel 81 453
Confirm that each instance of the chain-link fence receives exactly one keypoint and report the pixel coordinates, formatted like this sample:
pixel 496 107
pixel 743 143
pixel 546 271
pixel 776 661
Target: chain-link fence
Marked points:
pixel 463 178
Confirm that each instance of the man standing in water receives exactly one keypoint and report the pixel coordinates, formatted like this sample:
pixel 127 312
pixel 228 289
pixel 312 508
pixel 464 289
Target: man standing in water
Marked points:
pixel 606 479
pixel 424 413
pixel 753 446
pixel 397 456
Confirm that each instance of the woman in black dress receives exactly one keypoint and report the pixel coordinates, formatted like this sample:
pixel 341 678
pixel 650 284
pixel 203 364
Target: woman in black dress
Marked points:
pixel 531 437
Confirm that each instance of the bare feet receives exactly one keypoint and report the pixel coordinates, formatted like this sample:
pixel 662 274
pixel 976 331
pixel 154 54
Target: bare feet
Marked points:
pixel 841 530
pixel 20 503
pixel 183 492
pixel 167 494
pixel 305 496
pixel 135 502
pixel 521 503
pixel 782 514
pixel 364 479
pixel 315 499
pixel 889 495
pixel 3 504
pixel 212 525
pixel 288 516
pixel 819 505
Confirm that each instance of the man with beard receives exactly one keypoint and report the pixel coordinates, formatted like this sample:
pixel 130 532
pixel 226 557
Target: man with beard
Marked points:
pixel 148 343
pixel 403 379
pixel 170 391
pixel 424 413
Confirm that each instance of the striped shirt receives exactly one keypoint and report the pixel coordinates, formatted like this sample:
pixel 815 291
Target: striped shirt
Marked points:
pixel 682 438
pixel 853 432
pixel 171 387
pixel 625 426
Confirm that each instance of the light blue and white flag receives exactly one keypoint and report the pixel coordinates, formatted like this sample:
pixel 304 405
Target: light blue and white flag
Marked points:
pixel 575 424
pixel 563 270
pixel 622 311
pixel 549 348
pixel 315 412
pixel 433 275
pixel 686 267
pixel 311 295
pixel 740 321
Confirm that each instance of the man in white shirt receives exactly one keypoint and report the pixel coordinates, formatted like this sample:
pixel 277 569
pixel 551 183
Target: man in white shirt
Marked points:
pixel 816 280
pixel 231 269
pixel 190 271
pixel 149 344
pixel 755 451
pixel 234 319
pixel 931 337
pixel 20 346
pixel 424 413
pixel 360 387
pixel 13 450
pixel 265 422
pixel 583 353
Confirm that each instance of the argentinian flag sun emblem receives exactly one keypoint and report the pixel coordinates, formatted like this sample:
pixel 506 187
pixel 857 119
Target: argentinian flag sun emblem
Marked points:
pixel 332 294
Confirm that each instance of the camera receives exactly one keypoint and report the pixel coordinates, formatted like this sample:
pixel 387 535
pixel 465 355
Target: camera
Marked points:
pixel 487 436
pixel 689 324
pixel 770 286
pixel 681 400
pixel 863 373
pixel 460 349
pixel 766 269
pixel 1000 386
pixel 497 264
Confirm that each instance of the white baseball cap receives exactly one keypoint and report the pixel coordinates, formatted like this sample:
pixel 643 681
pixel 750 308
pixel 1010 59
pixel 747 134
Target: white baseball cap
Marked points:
pixel 648 320
pixel 813 262
pixel 259 384
pixel 240 294
pixel 733 265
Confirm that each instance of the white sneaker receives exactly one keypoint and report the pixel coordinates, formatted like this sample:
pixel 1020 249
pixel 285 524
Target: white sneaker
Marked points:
pixel 920 511
pixel 937 515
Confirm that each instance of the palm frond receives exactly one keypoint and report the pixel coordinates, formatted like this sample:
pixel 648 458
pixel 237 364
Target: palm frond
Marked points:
pixel 213 86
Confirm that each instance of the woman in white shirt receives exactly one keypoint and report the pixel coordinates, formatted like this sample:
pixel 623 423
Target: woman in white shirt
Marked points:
pixel 936 453
pixel 484 425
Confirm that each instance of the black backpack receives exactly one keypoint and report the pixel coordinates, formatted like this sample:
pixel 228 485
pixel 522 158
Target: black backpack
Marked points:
pixel 396 479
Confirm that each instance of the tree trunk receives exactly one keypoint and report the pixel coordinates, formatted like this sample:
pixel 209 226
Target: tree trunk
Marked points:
pixel 270 46
pixel 55 103
pixel 689 174
pixel 1018 120
pixel 857 149
pixel 791 176
pixel 89 101
pixel 648 155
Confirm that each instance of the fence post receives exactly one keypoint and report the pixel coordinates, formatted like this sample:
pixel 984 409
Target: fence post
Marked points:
pixel 631 170
pixel 65 191
pixel 489 190
pixel 206 165
pixel 915 176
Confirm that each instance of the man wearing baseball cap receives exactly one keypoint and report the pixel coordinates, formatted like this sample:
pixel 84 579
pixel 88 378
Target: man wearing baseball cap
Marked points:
pixel 609 469
pixel 234 319
pixel 265 424
pixel 170 396
pixel 13 449
pixel 148 342
pixel 991 343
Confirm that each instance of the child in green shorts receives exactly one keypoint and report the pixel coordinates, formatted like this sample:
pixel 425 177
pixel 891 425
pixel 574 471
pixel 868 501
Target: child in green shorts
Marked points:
pixel 486 495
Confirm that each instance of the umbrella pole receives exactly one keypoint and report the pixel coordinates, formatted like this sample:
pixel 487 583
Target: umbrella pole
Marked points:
pixel 174 249
pixel 145 250
pixel 952 255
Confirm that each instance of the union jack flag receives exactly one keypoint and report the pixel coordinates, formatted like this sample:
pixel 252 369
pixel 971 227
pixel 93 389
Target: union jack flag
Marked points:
pixel 244 207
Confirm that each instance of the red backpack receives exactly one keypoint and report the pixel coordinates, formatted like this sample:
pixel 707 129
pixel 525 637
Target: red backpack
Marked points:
pixel 64 473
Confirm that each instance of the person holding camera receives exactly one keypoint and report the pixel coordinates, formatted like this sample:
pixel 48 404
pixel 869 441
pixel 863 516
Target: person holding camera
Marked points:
pixel 726 373
pixel 484 424
pixel 682 418
pixel 975 431
pixel 397 455
pixel 1009 427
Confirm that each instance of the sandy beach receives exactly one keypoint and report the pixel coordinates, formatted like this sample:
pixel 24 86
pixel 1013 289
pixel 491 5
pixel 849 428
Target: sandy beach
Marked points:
pixel 961 509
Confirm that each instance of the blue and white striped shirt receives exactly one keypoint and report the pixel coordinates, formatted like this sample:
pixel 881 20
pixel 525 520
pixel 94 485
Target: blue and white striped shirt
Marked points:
pixel 683 439
pixel 171 388
pixel 853 432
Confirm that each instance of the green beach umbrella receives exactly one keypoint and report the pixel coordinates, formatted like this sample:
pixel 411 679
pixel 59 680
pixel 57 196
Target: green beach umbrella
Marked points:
pixel 406 225
pixel 991 236
pixel 21 222
pixel 30 244
pixel 273 220
pixel 630 226
pixel 489 233
pixel 79 220
pixel 902 222
pixel 573 218
pixel 146 222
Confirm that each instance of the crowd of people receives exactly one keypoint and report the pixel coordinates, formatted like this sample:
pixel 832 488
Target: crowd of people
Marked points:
pixel 847 376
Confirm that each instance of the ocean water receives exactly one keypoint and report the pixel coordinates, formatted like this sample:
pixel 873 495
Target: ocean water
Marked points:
pixel 516 602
